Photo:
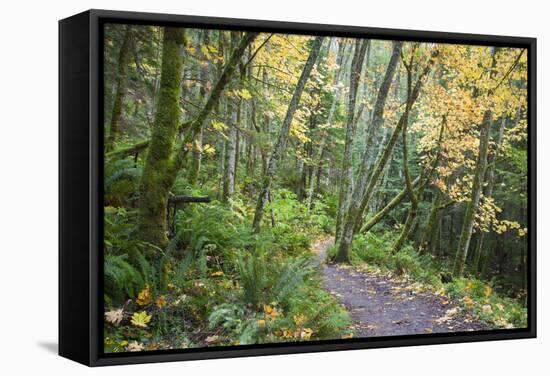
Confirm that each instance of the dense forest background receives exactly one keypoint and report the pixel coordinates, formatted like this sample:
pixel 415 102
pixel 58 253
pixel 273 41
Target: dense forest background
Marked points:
pixel 250 176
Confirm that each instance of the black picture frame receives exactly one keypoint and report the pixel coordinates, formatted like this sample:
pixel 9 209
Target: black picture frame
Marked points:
pixel 81 186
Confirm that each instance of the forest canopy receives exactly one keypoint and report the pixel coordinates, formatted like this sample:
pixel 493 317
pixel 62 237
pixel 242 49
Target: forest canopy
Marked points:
pixel 264 187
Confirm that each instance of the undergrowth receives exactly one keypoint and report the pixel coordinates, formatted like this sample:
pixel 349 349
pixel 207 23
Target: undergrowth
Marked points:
pixel 217 282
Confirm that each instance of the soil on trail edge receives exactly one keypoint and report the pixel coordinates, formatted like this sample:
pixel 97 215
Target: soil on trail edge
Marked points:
pixel 384 306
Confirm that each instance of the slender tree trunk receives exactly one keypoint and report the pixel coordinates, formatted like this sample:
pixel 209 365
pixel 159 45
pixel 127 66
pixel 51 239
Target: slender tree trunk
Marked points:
pixel 121 82
pixel 428 235
pixel 318 158
pixel 231 150
pixel 197 147
pixel 386 209
pixel 346 182
pixel 230 156
pixel 473 203
pixel 488 193
pixel 283 135
pixel 475 194
pixel 376 121
pixel 363 190
pixel 415 196
pixel 213 99
pixel 155 181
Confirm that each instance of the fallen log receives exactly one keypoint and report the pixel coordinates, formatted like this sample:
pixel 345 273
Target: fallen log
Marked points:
pixel 174 200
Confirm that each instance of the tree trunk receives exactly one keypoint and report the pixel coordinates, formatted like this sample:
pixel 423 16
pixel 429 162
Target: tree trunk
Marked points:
pixel 475 195
pixel 197 146
pixel 488 192
pixel 213 100
pixel 386 209
pixel 161 165
pixel 415 196
pixel 121 81
pixel 431 223
pixel 376 121
pixel 283 135
pixel 364 188
pixel 155 181
pixel 473 203
pixel 318 159
pixel 346 181
pixel 230 157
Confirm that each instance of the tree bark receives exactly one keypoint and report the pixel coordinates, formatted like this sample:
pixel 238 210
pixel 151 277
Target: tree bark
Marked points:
pixel 415 196
pixel 386 209
pixel 346 180
pixel 362 192
pixel 162 164
pixel 477 187
pixel 155 180
pixel 283 135
pixel 488 192
pixel 213 100
pixel 318 159
pixel 121 82
pixel 377 120
pixel 197 146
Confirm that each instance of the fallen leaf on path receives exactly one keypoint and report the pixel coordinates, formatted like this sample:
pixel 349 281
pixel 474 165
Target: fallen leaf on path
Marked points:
pixel 211 339
pixel 114 316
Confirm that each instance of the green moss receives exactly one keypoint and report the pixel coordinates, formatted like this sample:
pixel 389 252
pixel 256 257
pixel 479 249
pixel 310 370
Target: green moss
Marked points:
pixel 157 176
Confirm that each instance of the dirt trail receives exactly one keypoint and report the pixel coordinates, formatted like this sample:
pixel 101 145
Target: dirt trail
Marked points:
pixel 384 306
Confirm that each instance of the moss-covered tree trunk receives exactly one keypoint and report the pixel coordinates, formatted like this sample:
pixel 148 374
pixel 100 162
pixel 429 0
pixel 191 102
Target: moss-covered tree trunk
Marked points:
pixel 367 181
pixel 156 179
pixel 415 196
pixel 121 82
pixel 283 135
pixel 162 164
pixel 377 119
pixel 426 242
pixel 346 175
pixel 475 195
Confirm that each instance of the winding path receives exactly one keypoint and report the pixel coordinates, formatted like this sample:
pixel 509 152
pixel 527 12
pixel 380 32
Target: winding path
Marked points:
pixel 382 306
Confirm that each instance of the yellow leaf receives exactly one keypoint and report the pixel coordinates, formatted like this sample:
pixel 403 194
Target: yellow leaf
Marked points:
pixel 347 336
pixel 217 274
pixel 468 302
pixel 244 94
pixel 141 319
pixel 144 297
pixel 218 126
pixel 161 301
pixel 306 333
pixel 299 319
pixel 260 323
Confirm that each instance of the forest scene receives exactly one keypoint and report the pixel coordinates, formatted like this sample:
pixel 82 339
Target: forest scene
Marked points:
pixel 269 188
